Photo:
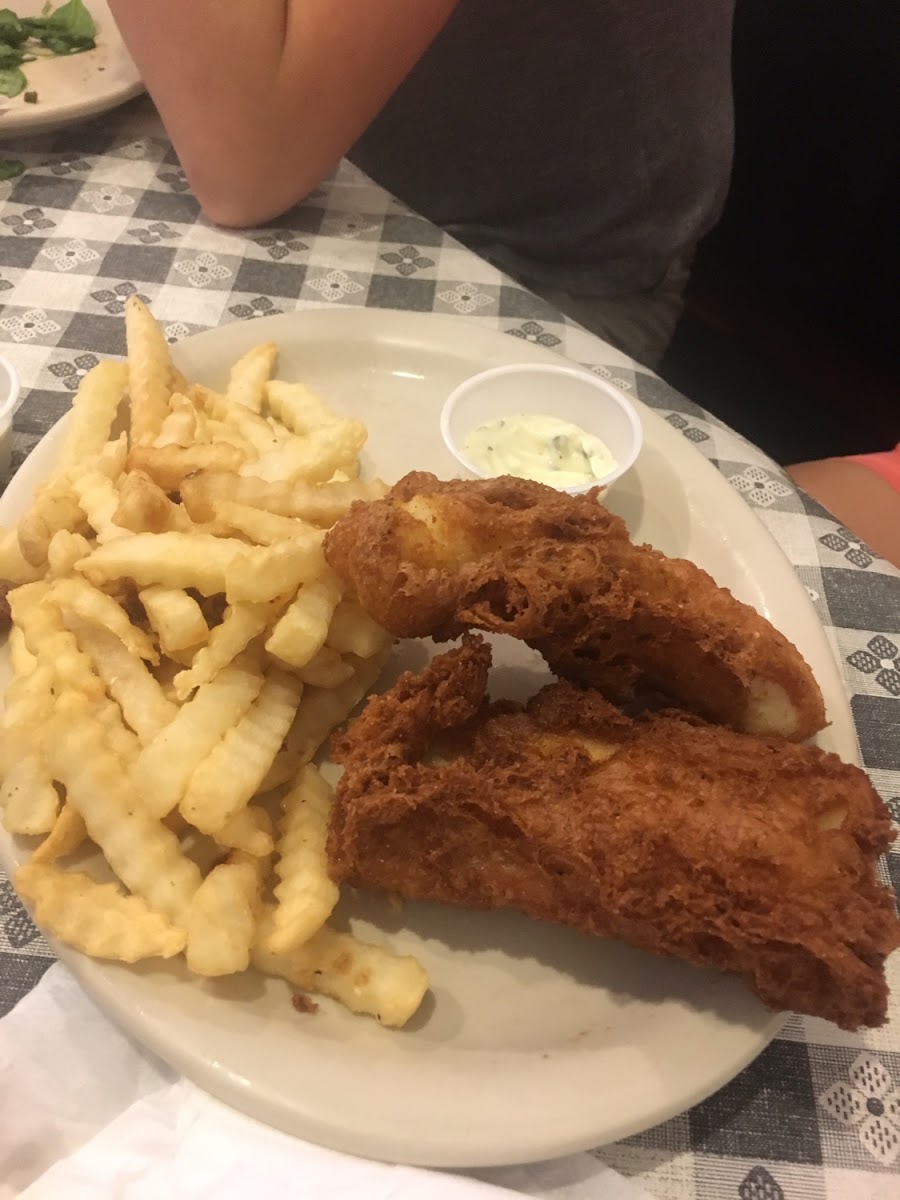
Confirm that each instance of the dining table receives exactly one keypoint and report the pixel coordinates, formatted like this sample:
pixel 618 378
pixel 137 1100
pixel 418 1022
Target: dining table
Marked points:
pixel 103 211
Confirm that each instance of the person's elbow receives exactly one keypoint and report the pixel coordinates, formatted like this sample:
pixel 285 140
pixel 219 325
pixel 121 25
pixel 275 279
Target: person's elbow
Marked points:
pixel 240 208
pixel 239 196
pixel 234 210
pixel 231 212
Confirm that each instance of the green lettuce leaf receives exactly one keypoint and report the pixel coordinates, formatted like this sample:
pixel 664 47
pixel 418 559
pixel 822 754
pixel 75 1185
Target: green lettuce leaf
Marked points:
pixel 12 81
pixel 10 168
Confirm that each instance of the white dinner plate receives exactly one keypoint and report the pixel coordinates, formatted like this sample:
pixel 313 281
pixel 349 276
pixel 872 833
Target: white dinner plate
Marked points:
pixel 73 87
pixel 535 1041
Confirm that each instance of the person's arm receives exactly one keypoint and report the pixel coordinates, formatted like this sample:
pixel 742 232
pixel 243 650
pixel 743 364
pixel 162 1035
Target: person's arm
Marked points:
pixel 860 499
pixel 262 97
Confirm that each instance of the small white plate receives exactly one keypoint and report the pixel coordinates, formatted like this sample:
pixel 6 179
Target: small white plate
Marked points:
pixel 72 87
pixel 535 1041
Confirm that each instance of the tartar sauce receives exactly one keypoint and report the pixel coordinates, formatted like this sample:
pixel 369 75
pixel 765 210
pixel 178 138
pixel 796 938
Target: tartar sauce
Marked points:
pixel 539 447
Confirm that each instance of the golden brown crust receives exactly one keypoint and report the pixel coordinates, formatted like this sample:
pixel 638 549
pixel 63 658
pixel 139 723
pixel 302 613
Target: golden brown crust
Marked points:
pixel 749 854
pixel 506 555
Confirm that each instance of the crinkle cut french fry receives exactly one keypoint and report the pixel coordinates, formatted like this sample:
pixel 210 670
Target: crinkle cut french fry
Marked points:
pixel 320 504
pixel 94 410
pixel 130 683
pixel 166 764
pixel 21 659
pixel 176 617
pixel 282 433
pixel 29 696
pixel 179 382
pixel 221 434
pixel 77 596
pixel 123 741
pixel 96 918
pixel 301 632
pixel 170 465
pixel 349 472
pixel 248 833
pixel 184 659
pixel 221 920
pixel 326 669
pixel 225 781
pixel 313 458
pixel 248 377
pixel 261 573
pixel 239 626
pixel 255 818
pixel 28 703
pixel 253 428
pixel 54 507
pixel 178 560
pixel 149 371
pixel 145 508
pixel 183 425
pixel 64 551
pixel 26 606
pixel 259 526
pixel 98 499
pixel 306 894
pixel 14 567
pixel 48 639
pixel 297 408
pixel 28 799
pixel 67 834
pixel 142 852
pixel 352 631
pixel 204 491
pixel 364 978
pixel 61 664
pixel 320 712
pixel 112 459
pixel 55 504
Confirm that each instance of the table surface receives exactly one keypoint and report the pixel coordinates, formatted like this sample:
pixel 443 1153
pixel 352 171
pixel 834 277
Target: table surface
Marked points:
pixel 103 211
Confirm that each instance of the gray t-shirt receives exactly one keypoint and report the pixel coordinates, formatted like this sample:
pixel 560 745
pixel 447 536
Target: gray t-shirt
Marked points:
pixel 581 144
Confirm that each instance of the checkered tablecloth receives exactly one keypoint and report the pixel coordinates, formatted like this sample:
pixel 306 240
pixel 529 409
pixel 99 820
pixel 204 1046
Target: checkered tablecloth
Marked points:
pixel 103 211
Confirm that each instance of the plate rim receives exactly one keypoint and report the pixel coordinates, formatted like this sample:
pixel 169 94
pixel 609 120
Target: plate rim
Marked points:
pixel 218 1082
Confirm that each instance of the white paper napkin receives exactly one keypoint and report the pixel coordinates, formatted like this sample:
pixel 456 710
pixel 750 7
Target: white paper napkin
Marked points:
pixel 88 1115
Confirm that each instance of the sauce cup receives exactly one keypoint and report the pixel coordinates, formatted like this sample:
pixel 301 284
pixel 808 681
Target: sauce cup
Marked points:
pixel 9 402
pixel 565 392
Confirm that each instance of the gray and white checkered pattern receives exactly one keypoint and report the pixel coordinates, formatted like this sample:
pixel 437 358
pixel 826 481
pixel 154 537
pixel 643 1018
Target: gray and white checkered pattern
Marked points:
pixel 103 210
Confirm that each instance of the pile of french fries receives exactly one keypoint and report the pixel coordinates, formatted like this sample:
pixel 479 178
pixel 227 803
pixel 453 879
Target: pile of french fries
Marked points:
pixel 180 652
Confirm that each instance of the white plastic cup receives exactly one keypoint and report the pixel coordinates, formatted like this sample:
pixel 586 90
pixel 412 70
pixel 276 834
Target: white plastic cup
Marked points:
pixel 10 398
pixel 559 391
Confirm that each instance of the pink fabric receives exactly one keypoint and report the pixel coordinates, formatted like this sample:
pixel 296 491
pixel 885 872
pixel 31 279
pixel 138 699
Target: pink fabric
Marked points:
pixel 886 464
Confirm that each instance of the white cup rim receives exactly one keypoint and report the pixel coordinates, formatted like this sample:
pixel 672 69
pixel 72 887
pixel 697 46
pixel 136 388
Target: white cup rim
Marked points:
pixel 623 403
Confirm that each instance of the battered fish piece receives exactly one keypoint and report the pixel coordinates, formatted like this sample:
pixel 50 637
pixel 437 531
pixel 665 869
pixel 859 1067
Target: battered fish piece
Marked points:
pixel 680 838
pixel 559 572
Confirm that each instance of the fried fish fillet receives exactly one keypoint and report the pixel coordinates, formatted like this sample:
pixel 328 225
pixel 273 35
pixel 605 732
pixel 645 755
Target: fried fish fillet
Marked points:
pixel 559 572
pixel 680 838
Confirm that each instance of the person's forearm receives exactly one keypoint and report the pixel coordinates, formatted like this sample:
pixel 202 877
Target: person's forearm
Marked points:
pixel 860 499
pixel 261 99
